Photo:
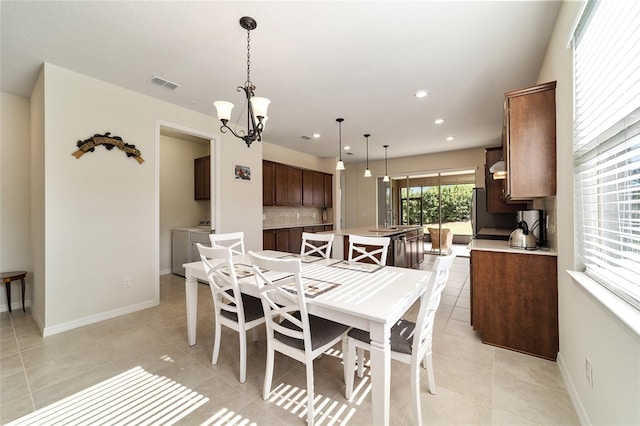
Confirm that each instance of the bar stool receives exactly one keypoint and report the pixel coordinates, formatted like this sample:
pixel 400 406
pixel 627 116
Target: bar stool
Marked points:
pixel 7 277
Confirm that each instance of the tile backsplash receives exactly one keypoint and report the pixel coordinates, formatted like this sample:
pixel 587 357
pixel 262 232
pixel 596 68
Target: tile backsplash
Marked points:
pixel 294 216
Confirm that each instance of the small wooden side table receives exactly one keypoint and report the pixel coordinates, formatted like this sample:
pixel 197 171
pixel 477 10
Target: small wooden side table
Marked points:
pixel 7 277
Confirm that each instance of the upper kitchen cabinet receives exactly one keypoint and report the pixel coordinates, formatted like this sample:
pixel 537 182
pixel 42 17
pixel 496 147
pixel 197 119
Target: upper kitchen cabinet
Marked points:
pixel 313 193
pixel 202 178
pixel 529 145
pixel 284 185
pixel 288 186
pixel 496 202
pixel 268 183
pixel 328 190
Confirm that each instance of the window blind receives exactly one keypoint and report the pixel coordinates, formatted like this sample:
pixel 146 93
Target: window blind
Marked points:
pixel 607 146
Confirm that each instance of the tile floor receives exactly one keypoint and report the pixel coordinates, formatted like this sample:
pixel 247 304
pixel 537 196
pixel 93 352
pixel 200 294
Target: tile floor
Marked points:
pixel 477 384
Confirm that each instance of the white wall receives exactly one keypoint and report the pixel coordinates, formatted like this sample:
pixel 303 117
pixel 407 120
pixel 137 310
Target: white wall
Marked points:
pixel 177 205
pixel 15 199
pixel 361 191
pixel 587 329
pixel 94 220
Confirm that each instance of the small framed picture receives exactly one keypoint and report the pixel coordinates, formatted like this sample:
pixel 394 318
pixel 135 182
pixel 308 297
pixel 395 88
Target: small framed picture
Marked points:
pixel 241 173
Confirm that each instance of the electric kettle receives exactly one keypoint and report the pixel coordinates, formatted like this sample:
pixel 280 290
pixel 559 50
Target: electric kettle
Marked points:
pixel 521 238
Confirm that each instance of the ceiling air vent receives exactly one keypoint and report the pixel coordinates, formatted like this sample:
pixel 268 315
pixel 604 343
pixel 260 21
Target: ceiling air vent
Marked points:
pixel 159 81
pixel 305 137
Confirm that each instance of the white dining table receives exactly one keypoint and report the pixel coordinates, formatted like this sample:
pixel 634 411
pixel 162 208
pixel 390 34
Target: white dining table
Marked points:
pixel 369 300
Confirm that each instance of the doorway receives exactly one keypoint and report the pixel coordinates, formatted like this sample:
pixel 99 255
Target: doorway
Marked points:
pixel 176 148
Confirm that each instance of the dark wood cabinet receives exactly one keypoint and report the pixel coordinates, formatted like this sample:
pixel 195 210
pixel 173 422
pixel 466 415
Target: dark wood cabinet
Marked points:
pixel 328 190
pixel 529 146
pixel 202 178
pixel 281 184
pixel 496 202
pixel 312 188
pixel 294 186
pixel 514 301
pixel 269 239
pixel 414 254
pixel 284 185
pixel 318 189
pixel 283 239
pixel 268 183
pixel 295 240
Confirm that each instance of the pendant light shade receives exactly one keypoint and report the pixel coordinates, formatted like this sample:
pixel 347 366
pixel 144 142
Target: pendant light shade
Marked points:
pixel 386 175
pixel 367 172
pixel 340 165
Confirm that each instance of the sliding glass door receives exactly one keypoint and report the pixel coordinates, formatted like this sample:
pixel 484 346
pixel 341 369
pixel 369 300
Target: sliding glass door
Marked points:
pixel 432 200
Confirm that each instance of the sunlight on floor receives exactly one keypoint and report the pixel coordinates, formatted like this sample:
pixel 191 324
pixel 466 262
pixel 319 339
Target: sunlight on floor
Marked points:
pixel 133 397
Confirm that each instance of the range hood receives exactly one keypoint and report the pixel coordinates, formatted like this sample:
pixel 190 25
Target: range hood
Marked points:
pixel 498 170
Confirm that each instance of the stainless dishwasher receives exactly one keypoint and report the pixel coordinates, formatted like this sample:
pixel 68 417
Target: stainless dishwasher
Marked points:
pixel 399 247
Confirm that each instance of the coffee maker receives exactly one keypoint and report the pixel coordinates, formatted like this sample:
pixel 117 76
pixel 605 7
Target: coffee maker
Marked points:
pixel 535 220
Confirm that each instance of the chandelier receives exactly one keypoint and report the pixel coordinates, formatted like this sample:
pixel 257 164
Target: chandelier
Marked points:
pixel 340 165
pixel 256 106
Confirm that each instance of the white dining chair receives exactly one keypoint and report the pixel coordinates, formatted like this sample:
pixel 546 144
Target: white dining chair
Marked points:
pixel 368 249
pixel 312 244
pixel 290 329
pixel 233 240
pixel 411 342
pixel 233 309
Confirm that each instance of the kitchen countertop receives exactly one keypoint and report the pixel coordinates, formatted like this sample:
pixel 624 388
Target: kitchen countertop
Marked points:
pixel 297 225
pixel 373 231
pixel 503 246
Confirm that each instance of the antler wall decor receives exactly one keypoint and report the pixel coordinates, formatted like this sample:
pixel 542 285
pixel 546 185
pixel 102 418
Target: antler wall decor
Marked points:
pixel 88 145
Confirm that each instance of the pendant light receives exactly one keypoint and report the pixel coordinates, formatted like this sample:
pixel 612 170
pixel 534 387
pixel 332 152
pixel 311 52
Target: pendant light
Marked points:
pixel 340 165
pixel 256 106
pixel 367 172
pixel 386 175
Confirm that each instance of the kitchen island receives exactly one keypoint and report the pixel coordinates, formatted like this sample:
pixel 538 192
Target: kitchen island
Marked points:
pixel 406 249
pixel 514 297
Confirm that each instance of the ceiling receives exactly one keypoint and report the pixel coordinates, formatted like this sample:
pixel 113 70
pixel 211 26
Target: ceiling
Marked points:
pixel 315 60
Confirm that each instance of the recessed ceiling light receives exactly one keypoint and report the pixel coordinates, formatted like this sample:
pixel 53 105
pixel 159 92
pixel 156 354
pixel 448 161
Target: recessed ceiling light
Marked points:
pixel 316 135
pixel 347 148
pixel 421 93
pixel 450 138
pixel 439 121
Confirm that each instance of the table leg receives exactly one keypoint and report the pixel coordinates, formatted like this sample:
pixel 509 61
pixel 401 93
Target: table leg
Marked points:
pixel 22 281
pixel 191 294
pixel 8 286
pixel 380 373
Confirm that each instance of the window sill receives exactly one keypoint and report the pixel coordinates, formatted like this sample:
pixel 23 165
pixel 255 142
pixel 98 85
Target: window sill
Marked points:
pixel 621 311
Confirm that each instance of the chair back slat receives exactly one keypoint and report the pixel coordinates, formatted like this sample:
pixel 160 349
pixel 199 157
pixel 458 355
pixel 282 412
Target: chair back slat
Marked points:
pixel 423 333
pixel 371 249
pixel 232 240
pixel 278 303
pixel 223 281
pixel 310 246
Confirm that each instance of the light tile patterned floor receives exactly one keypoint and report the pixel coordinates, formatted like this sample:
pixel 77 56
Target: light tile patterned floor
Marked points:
pixel 477 384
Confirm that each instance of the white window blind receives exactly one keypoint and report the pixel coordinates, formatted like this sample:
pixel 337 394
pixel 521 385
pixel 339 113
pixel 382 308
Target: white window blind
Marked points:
pixel 607 145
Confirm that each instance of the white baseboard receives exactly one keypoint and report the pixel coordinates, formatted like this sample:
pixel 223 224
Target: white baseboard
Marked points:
pixel 165 271
pixel 15 306
pixel 48 331
pixel 575 398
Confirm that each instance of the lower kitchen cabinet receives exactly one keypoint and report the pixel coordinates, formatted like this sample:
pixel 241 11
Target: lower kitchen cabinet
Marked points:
pixel 514 301
pixel 284 239
pixel 415 248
